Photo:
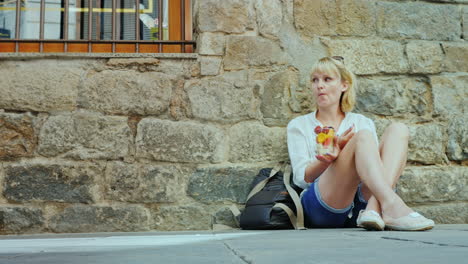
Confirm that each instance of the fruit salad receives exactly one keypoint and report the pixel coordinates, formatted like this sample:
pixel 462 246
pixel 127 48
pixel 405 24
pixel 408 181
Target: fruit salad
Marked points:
pixel 325 137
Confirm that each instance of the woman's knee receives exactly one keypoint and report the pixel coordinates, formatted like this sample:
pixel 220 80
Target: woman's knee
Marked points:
pixel 363 136
pixel 398 129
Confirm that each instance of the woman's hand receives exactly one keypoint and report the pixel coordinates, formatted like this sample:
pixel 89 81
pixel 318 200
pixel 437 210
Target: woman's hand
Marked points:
pixel 330 157
pixel 345 137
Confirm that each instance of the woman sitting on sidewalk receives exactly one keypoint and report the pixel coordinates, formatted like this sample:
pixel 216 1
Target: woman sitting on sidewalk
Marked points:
pixel 358 173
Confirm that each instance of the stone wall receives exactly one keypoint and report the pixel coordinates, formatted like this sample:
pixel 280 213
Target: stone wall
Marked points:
pixel 168 143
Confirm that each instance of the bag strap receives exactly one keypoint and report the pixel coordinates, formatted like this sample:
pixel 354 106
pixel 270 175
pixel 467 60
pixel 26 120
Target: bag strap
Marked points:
pixel 292 216
pixel 299 223
pixel 262 184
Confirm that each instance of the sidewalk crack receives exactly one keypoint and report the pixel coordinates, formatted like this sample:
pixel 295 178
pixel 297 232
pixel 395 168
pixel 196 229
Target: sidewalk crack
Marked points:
pixel 242 257
pixel 425 242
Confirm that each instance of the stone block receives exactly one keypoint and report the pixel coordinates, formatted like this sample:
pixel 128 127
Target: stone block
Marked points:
pixel 340 17
pixel 46 181
pixel 179 141
pixel 269 17
pixel 392 96
pixel 450 95
pixel 141 183
pixel 433 184
pixel 230 16
pixel 276 98
pixel 315 18
pixel 85 219
pixel 17 137
pixel 249 142
pixel 370 56
pixel 465 22
pixel 210 65
pixel 457 148
pixel 211 43
pixel 20 220
pixel 39 85
pixel 427 144
pixel 245 51
pixel 418 20
pixel 456 57
pixel 84 135
pixel 184 217
pixel 425 56
pixel 225 98
pixel 126 92
pixel 356 17
pixel 224 217
pixel 447 213
pixel 218 184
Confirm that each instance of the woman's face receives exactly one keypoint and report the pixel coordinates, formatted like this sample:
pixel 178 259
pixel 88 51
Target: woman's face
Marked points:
pixel 327 88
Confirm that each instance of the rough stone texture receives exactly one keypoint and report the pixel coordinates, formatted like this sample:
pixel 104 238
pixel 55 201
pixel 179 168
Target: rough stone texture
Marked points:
pixel 179 141
pixel 245 51
pixel 370 56
pixel 457 148
pixel 425 57
pixel 418 20
pixel 433 184
pixel 210 65
pixel 251 142
pixel 225 217
pixel 427 144
pixel 456 57
pixel 392 96
pixel 216 184
pixel 450 95
pixel 269 17
pixel 341 17
pixel 211 43
pixel 126 92
pixel 465 22
pixel 356 17
pixel 313 18
pixel 180 106
pixel 47 91
pixel 276 98
pixel 225 98
pixel 143 183
pixel 21 220
pixel 17 137
pixel 182 217
pixel 85 136
pixel 44 181
pixel 79 218
pixel 452 213
pixel 230 16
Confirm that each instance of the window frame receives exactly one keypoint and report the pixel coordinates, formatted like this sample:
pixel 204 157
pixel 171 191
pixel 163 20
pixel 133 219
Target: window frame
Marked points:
pixel 179 35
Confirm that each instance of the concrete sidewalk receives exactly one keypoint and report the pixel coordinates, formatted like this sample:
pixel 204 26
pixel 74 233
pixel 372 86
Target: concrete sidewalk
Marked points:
pixel 444 244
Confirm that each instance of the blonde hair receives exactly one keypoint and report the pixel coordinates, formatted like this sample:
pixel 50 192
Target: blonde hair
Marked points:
pixel 335 66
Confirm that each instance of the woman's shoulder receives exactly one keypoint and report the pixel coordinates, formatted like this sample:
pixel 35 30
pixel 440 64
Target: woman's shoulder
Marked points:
pixel 359 117
pixel 300 120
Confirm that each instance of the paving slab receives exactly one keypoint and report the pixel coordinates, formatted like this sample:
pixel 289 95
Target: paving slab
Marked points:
pixel 444 244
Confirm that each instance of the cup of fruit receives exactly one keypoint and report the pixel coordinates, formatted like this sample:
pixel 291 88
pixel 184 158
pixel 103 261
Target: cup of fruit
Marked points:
pixel 325 137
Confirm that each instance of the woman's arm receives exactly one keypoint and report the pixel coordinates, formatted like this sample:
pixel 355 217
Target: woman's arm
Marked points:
pixel 314 169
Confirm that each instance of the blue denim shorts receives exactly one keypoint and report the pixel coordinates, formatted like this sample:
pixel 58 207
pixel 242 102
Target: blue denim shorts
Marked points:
pixel 319 214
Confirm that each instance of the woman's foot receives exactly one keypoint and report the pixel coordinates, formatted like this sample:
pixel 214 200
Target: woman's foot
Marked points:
pixel 398 216
pixel 412 222
pixel 370 220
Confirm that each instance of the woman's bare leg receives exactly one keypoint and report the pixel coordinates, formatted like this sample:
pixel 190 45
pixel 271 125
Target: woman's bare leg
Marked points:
pixel 393 152
pixel 359 160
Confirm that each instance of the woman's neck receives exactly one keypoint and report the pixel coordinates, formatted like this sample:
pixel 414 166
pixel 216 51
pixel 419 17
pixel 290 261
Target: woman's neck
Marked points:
pixel 330 116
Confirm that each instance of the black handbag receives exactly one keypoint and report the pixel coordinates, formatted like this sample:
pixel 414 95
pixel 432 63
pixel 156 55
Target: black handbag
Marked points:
pixel 272 202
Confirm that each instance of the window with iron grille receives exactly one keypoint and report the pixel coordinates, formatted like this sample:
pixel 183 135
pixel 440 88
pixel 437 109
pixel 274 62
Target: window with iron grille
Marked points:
pixel 96 26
